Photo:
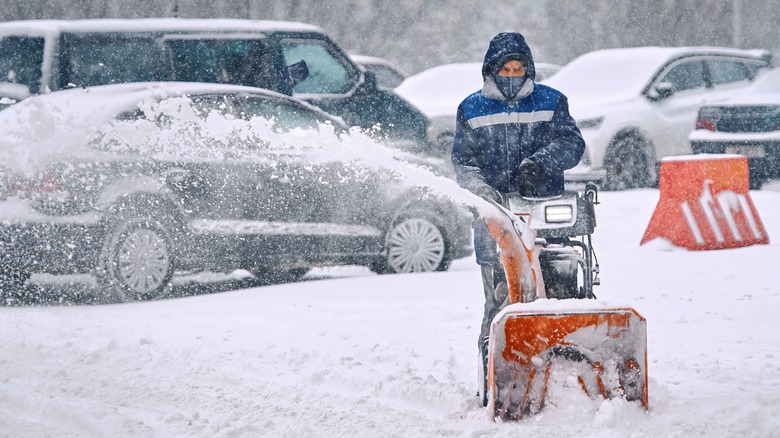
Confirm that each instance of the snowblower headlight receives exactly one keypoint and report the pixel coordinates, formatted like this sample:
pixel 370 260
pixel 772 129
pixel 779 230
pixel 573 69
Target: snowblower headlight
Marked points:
pixel 557 214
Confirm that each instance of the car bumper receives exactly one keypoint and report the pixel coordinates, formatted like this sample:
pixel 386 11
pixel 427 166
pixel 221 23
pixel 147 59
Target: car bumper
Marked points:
pixel 36 242
pixel 577 177
pixel 763 156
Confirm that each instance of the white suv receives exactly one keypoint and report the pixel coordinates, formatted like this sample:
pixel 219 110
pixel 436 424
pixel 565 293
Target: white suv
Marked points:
pixel 638 105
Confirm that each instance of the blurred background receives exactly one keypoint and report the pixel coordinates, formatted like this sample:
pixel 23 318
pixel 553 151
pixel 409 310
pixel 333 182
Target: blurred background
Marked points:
pixel 418 34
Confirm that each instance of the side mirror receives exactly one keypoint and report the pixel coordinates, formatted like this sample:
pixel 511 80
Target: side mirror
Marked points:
pixel 661 91
pixel 296 73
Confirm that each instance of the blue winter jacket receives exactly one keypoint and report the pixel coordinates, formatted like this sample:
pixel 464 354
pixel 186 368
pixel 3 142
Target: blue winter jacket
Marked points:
pixel 494 135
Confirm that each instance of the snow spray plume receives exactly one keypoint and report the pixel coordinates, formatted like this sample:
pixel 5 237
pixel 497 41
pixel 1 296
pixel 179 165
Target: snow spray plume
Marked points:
pixel 35 134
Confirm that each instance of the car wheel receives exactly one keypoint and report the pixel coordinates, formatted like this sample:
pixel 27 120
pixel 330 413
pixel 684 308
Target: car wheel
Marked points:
pixel 626 164
pixel 137 260
pixel 415 244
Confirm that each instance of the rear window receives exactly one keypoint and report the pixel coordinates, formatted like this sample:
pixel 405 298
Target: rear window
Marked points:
pixel 20 61
pixel 727 72
pixel 100 60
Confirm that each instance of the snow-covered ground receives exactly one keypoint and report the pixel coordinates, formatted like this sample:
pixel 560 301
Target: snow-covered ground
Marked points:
pixel 350 353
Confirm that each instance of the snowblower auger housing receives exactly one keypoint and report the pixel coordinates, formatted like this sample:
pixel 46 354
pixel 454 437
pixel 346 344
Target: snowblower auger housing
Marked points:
pixel 601 351
pixel 538 345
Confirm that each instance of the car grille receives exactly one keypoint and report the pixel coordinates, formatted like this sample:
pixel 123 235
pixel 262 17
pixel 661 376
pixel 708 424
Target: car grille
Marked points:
pixel 748 119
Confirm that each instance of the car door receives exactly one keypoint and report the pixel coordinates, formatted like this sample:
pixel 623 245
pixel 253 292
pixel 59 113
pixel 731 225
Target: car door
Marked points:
pixel 676 114
pixel 216 186
pixel 327 202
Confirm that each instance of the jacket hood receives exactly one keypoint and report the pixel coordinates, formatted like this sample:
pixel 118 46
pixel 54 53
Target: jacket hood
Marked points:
pixel 506 46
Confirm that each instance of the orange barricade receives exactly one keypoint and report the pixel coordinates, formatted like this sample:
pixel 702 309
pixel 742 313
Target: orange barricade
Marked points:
pixel 705 204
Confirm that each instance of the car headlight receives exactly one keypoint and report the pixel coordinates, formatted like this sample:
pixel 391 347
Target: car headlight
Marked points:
pixel 592 123
pixel 557 214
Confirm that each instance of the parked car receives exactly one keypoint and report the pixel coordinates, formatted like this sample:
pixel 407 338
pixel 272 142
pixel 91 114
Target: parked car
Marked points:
pixel 636 106
pixel 439 90
pixel 747 124
pixel 36 56
pixel 133 182
pixel 387 74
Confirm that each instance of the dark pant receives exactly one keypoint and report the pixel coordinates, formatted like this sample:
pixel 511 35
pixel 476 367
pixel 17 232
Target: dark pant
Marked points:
pixel 496 293
pixel 484 244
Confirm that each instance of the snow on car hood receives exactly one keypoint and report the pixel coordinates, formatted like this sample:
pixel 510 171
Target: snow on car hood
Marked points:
pixel 606 76
pixel 439 90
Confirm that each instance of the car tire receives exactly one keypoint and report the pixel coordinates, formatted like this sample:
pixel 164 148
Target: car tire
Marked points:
pixel 137 261
pixel 415 243
pixel 626 163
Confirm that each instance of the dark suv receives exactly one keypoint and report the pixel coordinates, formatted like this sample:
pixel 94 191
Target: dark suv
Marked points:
pixel 41 56
pixel 132 182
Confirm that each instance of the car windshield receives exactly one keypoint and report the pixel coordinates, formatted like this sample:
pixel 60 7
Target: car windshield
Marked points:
pixel 611 72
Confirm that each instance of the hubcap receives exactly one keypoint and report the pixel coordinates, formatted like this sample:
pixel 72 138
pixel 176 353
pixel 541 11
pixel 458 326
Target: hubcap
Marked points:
pixel 143 260
pixel 415 245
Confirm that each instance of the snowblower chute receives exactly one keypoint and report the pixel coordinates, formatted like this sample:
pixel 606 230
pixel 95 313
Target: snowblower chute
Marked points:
pixel 539 347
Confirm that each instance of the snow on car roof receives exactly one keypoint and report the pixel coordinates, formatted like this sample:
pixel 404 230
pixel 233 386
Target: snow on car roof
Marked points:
pixel 623 73
pixel 53 27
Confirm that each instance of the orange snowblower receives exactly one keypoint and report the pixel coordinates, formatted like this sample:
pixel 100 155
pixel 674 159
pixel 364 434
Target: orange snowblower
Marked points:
pixel 539 345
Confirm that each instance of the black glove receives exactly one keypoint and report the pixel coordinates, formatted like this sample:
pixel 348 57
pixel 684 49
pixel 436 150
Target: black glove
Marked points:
pixel 530 178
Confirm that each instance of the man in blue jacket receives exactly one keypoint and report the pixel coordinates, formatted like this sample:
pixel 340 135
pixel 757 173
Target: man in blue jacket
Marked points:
pixel 513 135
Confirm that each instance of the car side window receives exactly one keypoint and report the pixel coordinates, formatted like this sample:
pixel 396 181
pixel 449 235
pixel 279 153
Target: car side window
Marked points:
pixel 207 103
pixel 21 59
pixel 285 115
pixel 327 73
pixel 239 62
pixel 754 68
pixel 92 60
pixel 385 77
pixel 727 72
pixel 686 76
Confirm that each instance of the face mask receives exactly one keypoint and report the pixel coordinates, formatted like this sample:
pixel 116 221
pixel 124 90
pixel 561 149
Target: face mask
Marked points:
pixel 509 86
